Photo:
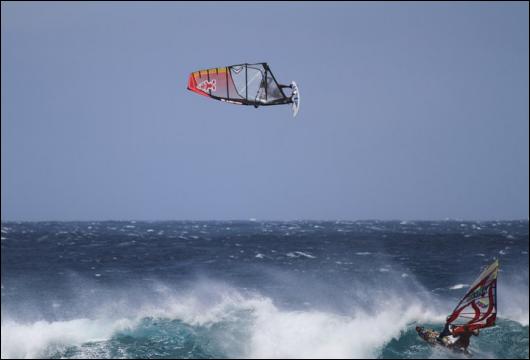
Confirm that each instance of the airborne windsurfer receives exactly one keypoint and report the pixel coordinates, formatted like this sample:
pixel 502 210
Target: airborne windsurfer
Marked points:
pixel 275 92
pixel 244 84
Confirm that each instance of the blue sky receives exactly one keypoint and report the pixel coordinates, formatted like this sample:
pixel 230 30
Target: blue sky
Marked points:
pixel 409 111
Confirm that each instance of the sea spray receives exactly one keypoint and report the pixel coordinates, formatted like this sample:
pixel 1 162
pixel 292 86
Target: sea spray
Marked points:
pixel 197 289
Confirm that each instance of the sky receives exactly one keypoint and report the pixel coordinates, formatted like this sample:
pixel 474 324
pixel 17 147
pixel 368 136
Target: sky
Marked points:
pixel 408 111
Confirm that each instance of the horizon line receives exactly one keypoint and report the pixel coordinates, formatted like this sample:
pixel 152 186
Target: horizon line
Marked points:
pixel 251 219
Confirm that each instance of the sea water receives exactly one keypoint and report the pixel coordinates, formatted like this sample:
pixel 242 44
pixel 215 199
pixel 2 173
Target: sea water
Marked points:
pixel 254 289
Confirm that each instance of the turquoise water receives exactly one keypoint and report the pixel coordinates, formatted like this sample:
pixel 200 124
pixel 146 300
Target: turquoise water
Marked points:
pixel 301 289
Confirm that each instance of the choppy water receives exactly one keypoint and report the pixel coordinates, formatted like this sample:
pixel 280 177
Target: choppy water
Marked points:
pixel 253 289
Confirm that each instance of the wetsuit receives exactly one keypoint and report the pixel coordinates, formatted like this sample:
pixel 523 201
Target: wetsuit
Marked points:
pixel 463 339
pixel 445 332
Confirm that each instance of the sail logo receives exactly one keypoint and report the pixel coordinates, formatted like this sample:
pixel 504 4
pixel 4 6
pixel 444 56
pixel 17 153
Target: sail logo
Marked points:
pixel 207 85
pixel 478 293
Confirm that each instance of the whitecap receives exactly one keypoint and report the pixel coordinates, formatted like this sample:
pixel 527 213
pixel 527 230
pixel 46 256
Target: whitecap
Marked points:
pixel 458 286
pixel 296 254
pixel 45 334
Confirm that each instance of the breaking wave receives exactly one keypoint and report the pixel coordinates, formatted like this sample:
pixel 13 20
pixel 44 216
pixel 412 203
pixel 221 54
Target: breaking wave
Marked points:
pixel 212 319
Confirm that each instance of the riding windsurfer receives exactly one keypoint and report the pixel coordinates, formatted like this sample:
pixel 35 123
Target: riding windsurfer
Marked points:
pixel 463 335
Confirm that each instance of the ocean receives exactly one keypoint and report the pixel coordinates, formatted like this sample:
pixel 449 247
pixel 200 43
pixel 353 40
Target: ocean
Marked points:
pixel 254 289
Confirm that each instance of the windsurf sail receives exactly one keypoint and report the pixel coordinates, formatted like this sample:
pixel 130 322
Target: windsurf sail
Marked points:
pixel 244 84
pixel 478 307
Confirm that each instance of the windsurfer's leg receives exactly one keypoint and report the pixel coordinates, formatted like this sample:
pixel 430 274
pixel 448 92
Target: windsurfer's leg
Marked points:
pixel 445 332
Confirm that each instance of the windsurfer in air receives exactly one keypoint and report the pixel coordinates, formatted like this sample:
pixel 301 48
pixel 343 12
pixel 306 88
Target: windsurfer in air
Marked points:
pixel 274 91
pixel 271 90
pixel 244 84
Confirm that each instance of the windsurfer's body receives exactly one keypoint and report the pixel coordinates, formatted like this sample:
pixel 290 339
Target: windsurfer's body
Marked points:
pixel 274 92
pixel 463 335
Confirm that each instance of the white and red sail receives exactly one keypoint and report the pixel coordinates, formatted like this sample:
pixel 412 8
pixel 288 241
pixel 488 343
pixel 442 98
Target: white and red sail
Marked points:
pixel 478 307
pixel 244 84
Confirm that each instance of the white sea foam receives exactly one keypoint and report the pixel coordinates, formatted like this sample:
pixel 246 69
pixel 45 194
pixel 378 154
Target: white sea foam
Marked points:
pixel 458 286
pixel 269 331
pixel 279 333
pixel 314 334
pixel 514 303
pixel 296 254
pixel 45 335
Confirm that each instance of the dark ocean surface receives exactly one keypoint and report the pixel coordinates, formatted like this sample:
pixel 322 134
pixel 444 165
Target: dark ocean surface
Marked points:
pixel 300 289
